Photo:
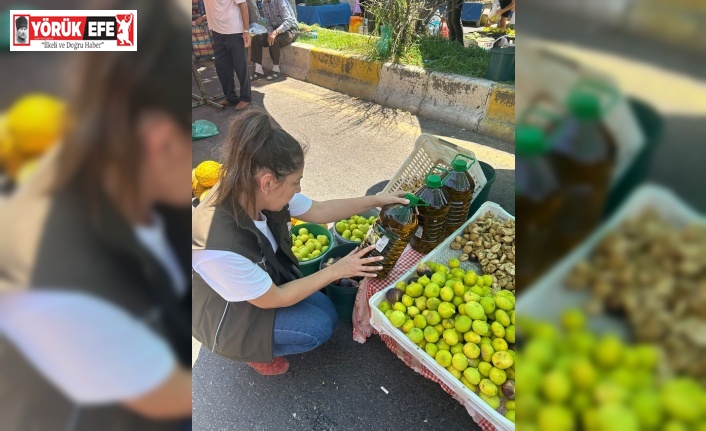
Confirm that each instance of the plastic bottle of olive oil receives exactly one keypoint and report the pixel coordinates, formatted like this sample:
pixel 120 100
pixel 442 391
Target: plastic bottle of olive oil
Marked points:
pixel 539 198
pixel 583 155
pixel 392 231
pixel 432 219
pixel 459 184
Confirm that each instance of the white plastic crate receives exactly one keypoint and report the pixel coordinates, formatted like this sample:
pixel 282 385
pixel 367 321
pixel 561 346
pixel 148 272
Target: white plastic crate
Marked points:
pixel 431 151
pixel 548 296
pixel 475 406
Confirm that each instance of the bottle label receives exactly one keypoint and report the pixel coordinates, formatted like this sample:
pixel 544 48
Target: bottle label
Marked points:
pixel 420 230
pixel 382 242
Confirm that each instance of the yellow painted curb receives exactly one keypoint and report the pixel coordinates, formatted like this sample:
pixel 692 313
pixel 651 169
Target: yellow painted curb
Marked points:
pixel 676 23
pixel 344 73
pixel 360 77
pixel 325 68
pixel 499 120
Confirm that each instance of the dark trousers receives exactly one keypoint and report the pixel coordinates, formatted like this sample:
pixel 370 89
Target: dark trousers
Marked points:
pixel 231 55
pixel 259 41
pixel 454 8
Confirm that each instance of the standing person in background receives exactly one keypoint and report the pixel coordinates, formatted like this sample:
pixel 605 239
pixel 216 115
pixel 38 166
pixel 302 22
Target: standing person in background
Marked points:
pixel 281 31
pixel 454 8
pixel 506 11
pixel 230 23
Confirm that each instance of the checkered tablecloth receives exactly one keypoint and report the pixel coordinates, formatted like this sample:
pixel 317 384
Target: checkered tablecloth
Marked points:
pixel 362 329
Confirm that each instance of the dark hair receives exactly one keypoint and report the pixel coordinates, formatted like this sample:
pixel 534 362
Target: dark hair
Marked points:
pixel 115 88
pixel 255 142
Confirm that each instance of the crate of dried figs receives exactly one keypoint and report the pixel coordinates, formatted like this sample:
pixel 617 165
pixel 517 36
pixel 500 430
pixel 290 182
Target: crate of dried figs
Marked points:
pixel 642 275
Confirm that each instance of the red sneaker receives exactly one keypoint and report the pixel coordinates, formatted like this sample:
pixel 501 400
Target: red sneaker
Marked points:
pixel 279 365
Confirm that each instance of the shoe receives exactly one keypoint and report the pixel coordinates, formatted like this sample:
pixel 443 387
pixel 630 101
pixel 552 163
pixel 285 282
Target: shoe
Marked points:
pixel 256 76
pixel 225 103
pixel 279 365
pixel 241 105
pixel 273 76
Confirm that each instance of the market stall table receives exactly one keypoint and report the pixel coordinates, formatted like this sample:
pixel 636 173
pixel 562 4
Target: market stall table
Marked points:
pixel 325 16
pixel 472 12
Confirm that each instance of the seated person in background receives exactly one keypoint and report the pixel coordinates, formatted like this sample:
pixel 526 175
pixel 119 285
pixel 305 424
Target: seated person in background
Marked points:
pixel 281 31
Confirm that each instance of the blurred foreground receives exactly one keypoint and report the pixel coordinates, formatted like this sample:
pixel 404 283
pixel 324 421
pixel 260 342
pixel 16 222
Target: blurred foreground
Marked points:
pixel 630 257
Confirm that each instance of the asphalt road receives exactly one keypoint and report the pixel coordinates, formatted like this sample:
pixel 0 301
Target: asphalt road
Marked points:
pixel 353 146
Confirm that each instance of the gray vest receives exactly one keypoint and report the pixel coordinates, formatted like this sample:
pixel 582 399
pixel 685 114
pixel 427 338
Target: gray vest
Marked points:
pixel 239 330
pixel 60 243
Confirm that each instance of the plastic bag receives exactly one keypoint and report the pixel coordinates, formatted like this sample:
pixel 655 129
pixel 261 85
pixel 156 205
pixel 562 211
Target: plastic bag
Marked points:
pixel 202 129
pixel 256 28
pixel 494 9
pixel 383 45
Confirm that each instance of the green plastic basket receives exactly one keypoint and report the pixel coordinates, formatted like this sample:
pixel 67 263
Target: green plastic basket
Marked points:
pixel 482 197
pixel 311 266
pixel 342 240
pixel 343 298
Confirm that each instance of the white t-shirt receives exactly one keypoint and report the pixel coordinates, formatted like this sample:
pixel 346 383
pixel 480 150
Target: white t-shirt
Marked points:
pixel 224 16
pixel 91 350
pixel 154 238
pixel 237 278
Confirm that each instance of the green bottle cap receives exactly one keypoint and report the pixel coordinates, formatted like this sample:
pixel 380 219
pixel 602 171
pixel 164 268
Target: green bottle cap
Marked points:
pixel 415 201
pixel 459 165
pixel 584 105
pixel 530 141
pixel 433 181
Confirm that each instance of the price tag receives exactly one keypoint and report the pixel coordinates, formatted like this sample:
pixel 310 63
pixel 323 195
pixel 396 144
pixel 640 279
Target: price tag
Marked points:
pixel 382 242
pixel 419 232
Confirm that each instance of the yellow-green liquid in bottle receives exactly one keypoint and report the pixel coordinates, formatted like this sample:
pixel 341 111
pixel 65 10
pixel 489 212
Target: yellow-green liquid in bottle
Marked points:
pixel 432 219
pixel 460 187
pixel 391 233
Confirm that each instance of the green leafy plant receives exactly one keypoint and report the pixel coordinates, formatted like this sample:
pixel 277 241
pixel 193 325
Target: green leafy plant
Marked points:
pixel 406 20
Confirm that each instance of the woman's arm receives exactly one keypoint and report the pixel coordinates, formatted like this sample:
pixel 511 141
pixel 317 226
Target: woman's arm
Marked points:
pixel 338 209
pixel 294 291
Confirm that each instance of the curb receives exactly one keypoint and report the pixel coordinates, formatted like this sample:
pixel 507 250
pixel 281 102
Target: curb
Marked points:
pixel 401 87
pixel 459 100
pixel 475 104
pixel 499 120
pixel 673 23
pixel 344 73
pixel 295 62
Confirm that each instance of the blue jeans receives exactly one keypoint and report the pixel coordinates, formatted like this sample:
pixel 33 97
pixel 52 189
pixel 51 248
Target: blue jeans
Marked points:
pixel 304 325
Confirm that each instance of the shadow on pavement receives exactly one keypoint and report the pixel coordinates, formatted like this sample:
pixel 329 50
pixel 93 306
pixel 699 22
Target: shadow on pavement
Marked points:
pixel 335 387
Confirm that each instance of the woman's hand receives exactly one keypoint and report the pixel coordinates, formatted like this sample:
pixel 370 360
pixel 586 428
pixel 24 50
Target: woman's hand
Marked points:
pixel 392 198
pixel 354 265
